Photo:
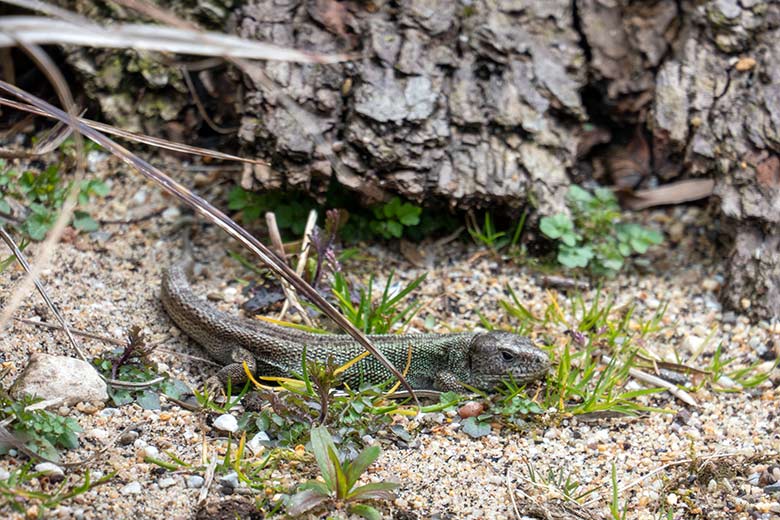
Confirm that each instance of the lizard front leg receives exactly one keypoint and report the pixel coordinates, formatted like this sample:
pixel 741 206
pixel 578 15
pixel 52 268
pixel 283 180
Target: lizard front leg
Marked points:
pixel 446 381
pixel 233 371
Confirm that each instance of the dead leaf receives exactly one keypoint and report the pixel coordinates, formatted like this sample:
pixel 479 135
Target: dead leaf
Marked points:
pixel 673 193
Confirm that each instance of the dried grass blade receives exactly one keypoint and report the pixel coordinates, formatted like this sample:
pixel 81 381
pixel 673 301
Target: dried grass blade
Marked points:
pixel 217 217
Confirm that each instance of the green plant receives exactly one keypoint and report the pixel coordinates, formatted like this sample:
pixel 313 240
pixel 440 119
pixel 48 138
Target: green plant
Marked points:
pixel 42 431
pixel 17 494
pixel 615 510
pixel 488 236
pixel 42 194
pixel 375 317
pixel 594 236
pixel 339 480
pixel 131 364
pixel 291 211
pixel 391 218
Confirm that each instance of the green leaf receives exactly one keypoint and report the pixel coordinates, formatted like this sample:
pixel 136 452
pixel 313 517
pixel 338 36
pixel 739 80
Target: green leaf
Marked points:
pixel 409 214
pixel 570 239
pixel 238 198
pixel 374 491
pixel 364 510
pixel 391 208
pixel 341 479
pixel 83 222
pixel 99 188
pixel 577 194
pixel 305 500
pixel 149 400
pixel 394 228
pixel 574 256
pixel 322 445
pixel 556 226
pixel 474 428
pixel 360 464
pixel 4 206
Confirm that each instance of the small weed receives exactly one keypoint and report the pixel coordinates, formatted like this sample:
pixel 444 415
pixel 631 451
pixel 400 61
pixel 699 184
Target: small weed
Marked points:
pixel 375 317
pixel 738 379
pixel 497 241
pixel 39 197
pixel 43 432
pixel 131 364
pixel 562 480
pixel 615 510
pixel 339 480
pixel 594 237
pixel 392 219
pixel 16 493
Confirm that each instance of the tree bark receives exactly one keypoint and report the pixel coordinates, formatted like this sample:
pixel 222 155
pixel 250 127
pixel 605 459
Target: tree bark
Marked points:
pixel 505 102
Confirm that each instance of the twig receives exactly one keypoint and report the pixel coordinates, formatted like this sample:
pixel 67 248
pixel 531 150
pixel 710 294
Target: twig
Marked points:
pixel 49 303
pixel 650 379
pixel 289 292
pixel 303 256
pixel 633 483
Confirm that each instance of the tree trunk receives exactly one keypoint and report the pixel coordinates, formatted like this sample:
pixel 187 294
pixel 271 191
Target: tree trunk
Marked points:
pixel 505 102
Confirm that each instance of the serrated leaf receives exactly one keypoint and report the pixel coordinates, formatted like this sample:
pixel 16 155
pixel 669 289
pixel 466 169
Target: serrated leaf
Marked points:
pixel 394 228
pixel 556 225
pixel 574 256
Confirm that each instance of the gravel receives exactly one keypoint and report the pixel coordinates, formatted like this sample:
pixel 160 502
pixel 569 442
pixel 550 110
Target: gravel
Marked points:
pixel 111 284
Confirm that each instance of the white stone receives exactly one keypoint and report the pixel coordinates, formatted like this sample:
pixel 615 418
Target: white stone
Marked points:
pixel 226 423
pixel 51 377
pixel 132 488
pixel 166 482
pixel 194 481
pixel 47 468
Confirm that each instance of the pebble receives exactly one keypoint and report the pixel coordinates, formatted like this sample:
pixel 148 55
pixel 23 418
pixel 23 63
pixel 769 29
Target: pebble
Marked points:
pixel 49 469
pixel 128 437
pixel 150 452
pixel 471 409
pixel 132 488
pixel 195 481
pixel 230 480
pixel 171 214
pixel 166 482
pixel 227 423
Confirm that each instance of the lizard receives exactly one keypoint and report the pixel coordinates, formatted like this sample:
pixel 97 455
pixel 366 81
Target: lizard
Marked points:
pixel 441 362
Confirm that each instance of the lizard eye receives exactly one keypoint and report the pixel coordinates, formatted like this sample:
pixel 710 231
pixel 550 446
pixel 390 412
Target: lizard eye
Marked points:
pixel 507 356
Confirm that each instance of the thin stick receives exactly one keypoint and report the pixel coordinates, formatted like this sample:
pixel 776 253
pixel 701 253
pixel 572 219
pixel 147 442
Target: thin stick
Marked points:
pixel 650 379
pixel 289 292
pixel 303 256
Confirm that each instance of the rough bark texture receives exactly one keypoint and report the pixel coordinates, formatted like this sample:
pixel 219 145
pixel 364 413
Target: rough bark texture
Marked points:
pixel 473 104
pixel 717 112
pixel 502 102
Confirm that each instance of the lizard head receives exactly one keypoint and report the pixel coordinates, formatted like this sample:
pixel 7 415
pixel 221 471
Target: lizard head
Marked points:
pixel 494 356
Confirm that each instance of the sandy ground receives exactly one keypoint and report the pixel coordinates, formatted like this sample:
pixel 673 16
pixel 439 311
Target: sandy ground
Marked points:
pixel 109 281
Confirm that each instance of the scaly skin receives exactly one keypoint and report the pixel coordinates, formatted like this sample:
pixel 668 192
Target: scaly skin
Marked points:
pixel 439 361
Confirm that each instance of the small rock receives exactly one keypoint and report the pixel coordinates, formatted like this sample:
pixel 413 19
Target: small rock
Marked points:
pixel 49 469
pixel 108 412
pixel 471 409
pixel 745 64
pixel 128 437
pixel 4 474
pixel 256 443
pixel 745 303
pixel 150 451
pixel 652 303
pixel 710 284
pixel 132 488
pixel 772 488
pixel 140 196
pixel 230 480
pixel 50 377
pixel 171 214
pixel 166 482
pixel 226 423
pixel 98 434
pixel 195 481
